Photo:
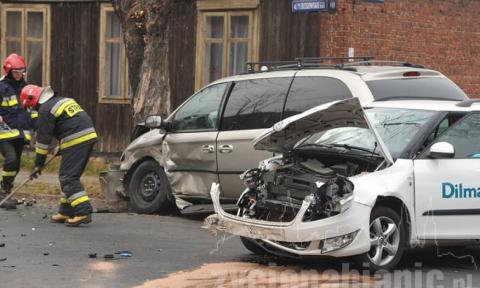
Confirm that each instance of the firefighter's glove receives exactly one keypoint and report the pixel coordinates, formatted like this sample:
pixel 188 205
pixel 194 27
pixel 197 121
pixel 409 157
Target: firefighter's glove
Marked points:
pixel 37 171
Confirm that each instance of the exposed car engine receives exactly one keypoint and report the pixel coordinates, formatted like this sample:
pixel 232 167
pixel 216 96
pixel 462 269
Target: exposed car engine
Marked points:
pixel 276 190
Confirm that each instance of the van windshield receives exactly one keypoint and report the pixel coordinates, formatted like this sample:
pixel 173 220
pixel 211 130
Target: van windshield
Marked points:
pixel 416 88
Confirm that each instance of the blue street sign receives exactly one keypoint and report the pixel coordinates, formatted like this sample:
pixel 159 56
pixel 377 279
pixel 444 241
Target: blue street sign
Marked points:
pixel 309 5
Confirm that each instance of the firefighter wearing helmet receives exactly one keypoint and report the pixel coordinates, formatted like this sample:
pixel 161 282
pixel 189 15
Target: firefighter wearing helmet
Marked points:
pixel 65 120
pixel 14 123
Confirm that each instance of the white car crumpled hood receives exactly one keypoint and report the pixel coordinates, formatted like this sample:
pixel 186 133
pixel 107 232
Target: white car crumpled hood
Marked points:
pixel 283 136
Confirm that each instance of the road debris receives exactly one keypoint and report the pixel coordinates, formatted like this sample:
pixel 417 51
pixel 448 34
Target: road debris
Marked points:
pixel 2 245
pixel 46 254
pixel 3 259
pixel 108 256
pixel 92 255
pixel 124 254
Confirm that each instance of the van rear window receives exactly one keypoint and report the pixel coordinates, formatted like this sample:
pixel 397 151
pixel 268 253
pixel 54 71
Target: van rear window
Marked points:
pixel 416 88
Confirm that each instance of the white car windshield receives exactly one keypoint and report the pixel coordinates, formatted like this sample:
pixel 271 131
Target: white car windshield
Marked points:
pixel 397 128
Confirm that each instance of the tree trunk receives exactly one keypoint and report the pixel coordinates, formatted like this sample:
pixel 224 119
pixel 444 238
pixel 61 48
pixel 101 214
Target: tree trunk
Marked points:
pixel 146 31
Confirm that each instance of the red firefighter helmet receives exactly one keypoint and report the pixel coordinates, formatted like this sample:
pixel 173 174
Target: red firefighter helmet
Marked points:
pixel 30 95
pixel 13 62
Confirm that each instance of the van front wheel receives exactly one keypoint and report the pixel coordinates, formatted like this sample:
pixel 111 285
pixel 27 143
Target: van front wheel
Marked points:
pixel 148 188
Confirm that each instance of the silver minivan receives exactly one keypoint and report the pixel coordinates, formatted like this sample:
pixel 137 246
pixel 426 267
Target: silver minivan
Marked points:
pixel 208 138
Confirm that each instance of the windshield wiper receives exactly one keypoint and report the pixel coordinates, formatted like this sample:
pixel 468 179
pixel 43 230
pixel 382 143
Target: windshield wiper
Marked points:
pixel 349 147
pixel 400 123
pixel 315 145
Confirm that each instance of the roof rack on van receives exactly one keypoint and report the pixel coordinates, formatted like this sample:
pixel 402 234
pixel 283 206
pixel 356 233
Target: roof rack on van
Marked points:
pixel 305 63
pixel 384 62
pixel 468 102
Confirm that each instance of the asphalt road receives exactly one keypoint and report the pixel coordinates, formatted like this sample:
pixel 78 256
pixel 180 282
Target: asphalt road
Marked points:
pixel 42 254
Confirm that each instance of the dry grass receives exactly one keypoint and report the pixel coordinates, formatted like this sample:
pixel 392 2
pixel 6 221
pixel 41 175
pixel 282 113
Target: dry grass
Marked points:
pixel 94 167
pixel 92 187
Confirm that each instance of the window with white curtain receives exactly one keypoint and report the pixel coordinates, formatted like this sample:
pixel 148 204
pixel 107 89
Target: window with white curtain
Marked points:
pixel 113 69
pixel 25 31
pixel 226 41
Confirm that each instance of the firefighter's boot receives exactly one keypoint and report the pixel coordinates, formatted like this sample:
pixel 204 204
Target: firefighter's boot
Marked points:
pixel 64 213
pixel 6 188
pixel 82 214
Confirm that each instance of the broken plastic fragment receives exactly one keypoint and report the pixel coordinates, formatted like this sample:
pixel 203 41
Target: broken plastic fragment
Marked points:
pixel 108 256
pixel 126 254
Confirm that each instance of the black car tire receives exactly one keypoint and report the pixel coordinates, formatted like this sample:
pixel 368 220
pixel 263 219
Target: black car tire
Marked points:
pixel 148 188
pixel 387 216
pixel 252 246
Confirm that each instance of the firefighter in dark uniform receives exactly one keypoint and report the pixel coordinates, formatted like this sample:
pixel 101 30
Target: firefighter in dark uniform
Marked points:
pixel 65 120
pixel 14 123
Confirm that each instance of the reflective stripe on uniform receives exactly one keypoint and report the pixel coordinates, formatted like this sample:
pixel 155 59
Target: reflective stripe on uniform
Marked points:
pixel 9 101
pixel 77 134
pixel 42 146
pixel 76 196
pixel 80 200
pixel 63 200
pixel 28 134
pixel 41 151
pixel 5 134
pixel 9 173
pixel 34 115
pixel 60 106
pixel 78 140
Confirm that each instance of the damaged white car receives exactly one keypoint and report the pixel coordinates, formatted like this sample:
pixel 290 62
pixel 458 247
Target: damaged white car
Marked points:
pixel 361 182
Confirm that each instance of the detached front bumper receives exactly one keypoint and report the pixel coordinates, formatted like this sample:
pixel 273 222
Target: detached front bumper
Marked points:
pixel 298 237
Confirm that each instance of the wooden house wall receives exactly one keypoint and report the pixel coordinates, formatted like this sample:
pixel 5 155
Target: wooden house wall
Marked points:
pixel 74 71
pixel 285 35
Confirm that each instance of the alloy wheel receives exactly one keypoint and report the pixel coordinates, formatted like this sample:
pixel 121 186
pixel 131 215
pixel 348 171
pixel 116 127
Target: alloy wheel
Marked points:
pixel 384 240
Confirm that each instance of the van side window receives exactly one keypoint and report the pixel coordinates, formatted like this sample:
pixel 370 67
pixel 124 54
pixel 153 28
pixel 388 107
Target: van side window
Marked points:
pixel 255 104
pixel 307 92
pixel 200 112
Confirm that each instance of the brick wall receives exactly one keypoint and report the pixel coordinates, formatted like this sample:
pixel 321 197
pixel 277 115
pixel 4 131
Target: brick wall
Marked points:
pixel 442 34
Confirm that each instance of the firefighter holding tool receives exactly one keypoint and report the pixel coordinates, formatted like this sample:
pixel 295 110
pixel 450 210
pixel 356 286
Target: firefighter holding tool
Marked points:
pixel 65 120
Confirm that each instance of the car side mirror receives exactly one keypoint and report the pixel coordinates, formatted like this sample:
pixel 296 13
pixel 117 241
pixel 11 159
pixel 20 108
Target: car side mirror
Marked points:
pixel 442 150
pixel 154 121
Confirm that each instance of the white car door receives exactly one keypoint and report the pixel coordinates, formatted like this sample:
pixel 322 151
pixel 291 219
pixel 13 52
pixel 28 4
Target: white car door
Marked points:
pixel 447 190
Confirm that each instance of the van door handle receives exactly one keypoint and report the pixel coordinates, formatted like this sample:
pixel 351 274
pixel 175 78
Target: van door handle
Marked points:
pixel 208 148
pixel 225 149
